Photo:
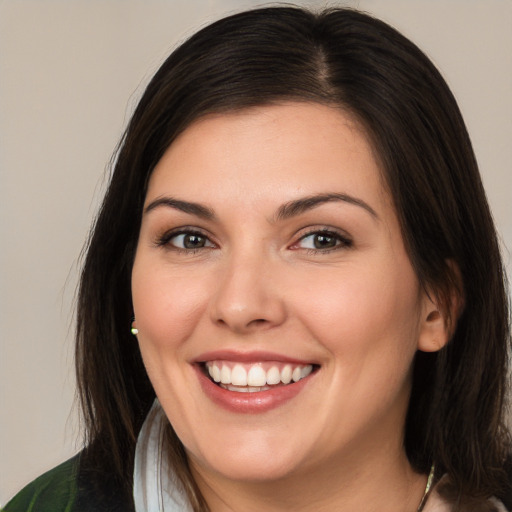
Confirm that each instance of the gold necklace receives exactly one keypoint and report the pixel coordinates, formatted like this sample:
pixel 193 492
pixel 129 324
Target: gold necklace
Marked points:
pixel 428 488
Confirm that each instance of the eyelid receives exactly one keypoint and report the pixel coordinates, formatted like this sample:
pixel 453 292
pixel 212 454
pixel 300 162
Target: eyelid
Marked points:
pixel 163 240
pixel 344 239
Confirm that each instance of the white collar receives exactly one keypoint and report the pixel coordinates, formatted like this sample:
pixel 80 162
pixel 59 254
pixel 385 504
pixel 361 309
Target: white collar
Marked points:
pixel 155 486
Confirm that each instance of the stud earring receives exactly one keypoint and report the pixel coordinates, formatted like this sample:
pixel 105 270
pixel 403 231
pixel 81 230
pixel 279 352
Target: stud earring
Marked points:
pixel 134 329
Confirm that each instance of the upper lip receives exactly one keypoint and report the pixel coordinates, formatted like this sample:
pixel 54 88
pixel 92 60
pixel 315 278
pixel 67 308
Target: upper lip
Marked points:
pixel 247 357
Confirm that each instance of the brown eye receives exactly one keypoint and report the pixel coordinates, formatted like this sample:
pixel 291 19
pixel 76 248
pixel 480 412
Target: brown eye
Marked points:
pixel 189 241
pixel 323 241
pixel 193 241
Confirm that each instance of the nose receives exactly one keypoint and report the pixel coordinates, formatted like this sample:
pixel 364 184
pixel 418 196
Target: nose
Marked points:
pixel 248 298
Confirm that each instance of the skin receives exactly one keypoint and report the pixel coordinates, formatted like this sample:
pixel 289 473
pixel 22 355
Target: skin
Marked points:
pixel 355 309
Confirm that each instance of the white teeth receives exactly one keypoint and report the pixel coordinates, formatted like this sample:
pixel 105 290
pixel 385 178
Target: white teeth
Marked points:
pixel 239 376
pixel 286 374
pixel 257 388
pixel 245 389
pixel 304 372
pixel 225 375
pixel 240 389
pixel 273 376
pixel 256 378
pixel 214 372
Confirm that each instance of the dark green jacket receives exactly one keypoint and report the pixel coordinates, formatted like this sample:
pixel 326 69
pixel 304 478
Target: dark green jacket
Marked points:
pixel 67 488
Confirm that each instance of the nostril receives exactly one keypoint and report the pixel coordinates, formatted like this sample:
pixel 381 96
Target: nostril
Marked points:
pixel 258 322
pixel 252 323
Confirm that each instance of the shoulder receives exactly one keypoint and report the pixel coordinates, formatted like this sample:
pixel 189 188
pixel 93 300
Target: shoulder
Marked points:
pixel 437 503
pixel 72 487
pixel 54 491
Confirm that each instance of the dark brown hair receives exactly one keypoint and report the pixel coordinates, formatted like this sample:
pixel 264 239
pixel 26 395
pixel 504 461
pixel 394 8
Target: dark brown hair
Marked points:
pixel 346 59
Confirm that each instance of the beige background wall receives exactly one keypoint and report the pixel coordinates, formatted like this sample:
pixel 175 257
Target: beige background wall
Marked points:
pixel 70 73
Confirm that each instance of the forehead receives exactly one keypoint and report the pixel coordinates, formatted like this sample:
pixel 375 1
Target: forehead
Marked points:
pixel 272 152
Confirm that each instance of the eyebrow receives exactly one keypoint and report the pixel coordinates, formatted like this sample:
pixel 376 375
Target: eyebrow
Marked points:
pixel 298 206
pixel 184 206
pixel 285 211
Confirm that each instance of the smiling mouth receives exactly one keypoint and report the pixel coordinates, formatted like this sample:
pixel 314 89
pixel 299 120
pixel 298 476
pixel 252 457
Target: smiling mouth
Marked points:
pixel 255 377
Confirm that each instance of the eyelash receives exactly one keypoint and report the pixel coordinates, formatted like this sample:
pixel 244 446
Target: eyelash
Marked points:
pixel 165 240
pixel 342 241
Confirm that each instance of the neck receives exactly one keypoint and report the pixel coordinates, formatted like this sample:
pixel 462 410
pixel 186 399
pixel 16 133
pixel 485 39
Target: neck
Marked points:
pixel 384 484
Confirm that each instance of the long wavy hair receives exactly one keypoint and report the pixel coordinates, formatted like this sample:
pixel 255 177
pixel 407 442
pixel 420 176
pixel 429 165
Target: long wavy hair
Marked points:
pixel 346 59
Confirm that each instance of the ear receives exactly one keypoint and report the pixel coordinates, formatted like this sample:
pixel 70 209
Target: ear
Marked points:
pixel 434 329
pixel 439 315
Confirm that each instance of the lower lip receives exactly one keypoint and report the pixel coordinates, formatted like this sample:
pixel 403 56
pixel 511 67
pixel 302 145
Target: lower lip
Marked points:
pixel 250 403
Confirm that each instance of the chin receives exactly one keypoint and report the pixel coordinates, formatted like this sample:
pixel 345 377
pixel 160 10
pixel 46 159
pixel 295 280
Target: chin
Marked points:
pixel 251 465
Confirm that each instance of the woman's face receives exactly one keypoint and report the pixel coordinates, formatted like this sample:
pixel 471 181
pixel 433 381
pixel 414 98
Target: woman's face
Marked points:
pixel 270 250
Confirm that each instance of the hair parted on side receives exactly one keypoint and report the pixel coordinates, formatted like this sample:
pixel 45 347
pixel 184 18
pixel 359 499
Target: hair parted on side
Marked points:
pixel 352 61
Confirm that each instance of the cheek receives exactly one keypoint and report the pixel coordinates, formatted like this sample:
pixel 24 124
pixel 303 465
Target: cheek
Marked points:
pixel 167 307
pixel 370 312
